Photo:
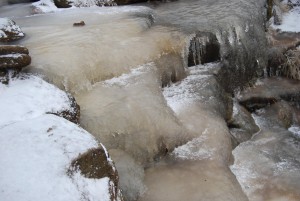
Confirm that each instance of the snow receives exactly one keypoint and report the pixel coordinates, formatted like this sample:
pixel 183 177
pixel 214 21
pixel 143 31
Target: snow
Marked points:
pixel 17 55
pixel 30 98
pixel 295 130
pixel 37 148
pixel 45 6
pixel 290 21
pixel 35 156
pixel 7 25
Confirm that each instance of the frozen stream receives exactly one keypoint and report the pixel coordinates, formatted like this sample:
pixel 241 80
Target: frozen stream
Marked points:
pixel 164 123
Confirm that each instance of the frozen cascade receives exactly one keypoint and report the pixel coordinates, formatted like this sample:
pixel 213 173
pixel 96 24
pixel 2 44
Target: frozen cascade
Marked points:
pixel 163 123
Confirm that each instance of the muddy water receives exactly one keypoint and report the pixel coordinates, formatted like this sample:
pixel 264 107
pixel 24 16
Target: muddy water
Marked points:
pixel 163 123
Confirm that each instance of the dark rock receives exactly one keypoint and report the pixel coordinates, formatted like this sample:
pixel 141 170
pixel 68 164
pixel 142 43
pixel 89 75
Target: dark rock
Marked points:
pixel 9 31
pixel 62 3
pixel 96 164
pixel 20 1
pixel 13 57
pixel 269 91
pixel 79 24
pixel 73 114
pixel 125 2
pixel 14 61
pixel 13 49
pixel 242 119
pixel 255 103
pixel 204 48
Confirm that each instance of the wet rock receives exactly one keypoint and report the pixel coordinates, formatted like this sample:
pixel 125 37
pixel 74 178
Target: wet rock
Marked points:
pixel 124 2
pixel 255 103
pixel 238 136
pixel 82 3
pixel 269 91
pixel 242 125
pixel 96 164
pixel 13 57
pixel 9 31
pixel 20 1
pixel 79 24
pixel 63 3
pixel 204 48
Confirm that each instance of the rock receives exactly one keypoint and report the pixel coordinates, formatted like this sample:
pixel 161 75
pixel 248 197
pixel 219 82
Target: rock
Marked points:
pixel 63 3
pixel 9 31
pixel 13 57
pixel 79 24
pixel 82 3
pixel 242 125
pixel 96 164
pixel 46 6
pixel 204 48
pixel 72 114
pixel 13 49
pixel 20 1
pixel 255 103
pixel 125 2
pixel 269 91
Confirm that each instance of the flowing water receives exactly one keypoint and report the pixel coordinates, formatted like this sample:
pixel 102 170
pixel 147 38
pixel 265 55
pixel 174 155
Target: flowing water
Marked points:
pixel 162 121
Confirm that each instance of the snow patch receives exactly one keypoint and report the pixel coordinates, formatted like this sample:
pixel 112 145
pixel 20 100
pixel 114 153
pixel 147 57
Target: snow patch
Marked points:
pixel 30 97
pixel 290 21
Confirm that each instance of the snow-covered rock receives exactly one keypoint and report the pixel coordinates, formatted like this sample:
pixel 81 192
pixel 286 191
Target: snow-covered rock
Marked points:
pixel 42 153
pixel 13 57
pixel 35 157
pixel 82 3
pixel 29 97
pixel 9 31
pixel 43 6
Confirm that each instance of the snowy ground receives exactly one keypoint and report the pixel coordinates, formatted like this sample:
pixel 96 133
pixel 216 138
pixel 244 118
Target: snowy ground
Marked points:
pixel 290 21
pixel 37 148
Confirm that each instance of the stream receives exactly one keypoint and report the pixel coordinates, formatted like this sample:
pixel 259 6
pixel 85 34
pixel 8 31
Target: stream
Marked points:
pixel 161 111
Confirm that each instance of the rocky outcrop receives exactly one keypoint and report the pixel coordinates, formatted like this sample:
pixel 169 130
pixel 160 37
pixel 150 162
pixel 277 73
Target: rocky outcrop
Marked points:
pixel 9 31
pixel 13 58
pixel 96 164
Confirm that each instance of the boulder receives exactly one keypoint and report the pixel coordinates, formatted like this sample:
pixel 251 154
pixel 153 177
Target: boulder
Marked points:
pixel 9 31
pixel 63 3
pixel 13 57
pixel 96 164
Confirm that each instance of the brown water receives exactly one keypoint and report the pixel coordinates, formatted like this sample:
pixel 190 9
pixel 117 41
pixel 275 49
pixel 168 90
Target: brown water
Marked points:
pixel 162 122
